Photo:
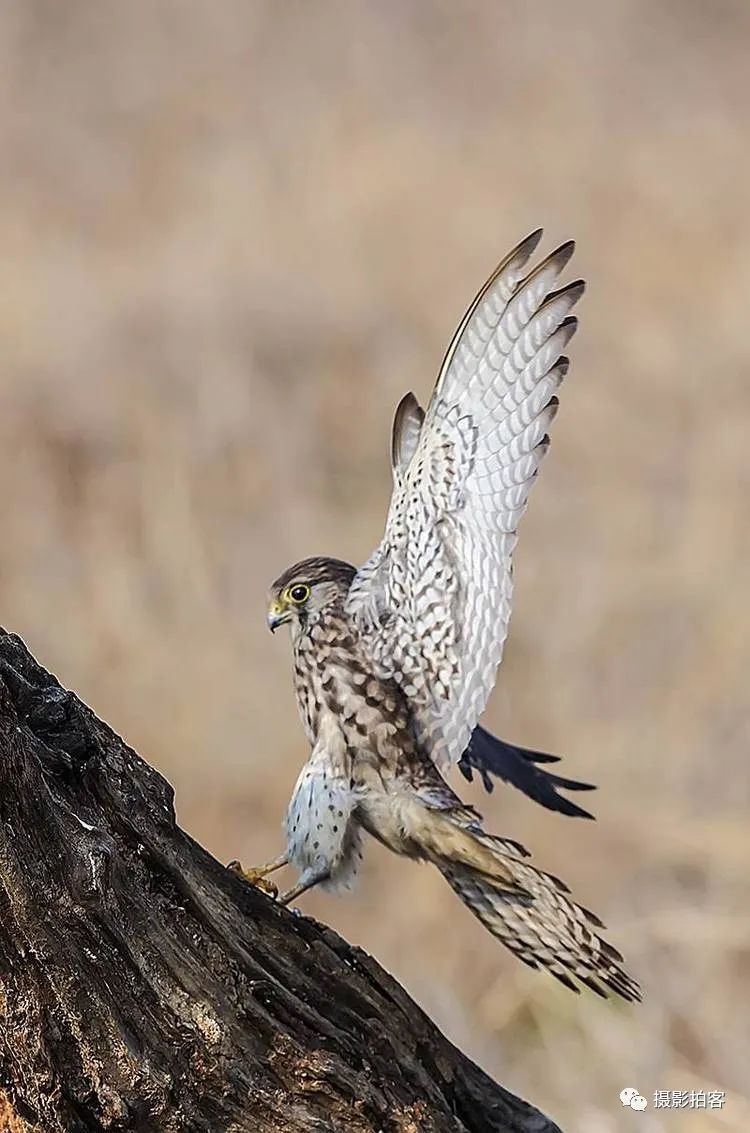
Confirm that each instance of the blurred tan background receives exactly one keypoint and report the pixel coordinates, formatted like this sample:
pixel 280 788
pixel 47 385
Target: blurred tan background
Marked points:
pixel 232 235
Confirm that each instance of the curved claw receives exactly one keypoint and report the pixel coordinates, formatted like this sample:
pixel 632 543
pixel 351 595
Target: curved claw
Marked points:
pixel 255 877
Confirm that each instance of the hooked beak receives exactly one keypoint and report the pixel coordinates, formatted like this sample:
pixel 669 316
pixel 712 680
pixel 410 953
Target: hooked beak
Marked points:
pixel 277 615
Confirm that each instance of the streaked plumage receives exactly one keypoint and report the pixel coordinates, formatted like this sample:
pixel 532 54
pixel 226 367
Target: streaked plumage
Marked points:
pixel 394 662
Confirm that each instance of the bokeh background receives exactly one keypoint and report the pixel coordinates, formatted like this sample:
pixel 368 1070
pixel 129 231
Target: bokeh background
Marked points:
pixel 232 235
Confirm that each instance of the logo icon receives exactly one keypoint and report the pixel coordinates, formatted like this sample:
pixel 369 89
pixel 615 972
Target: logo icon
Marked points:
pixel 630 1097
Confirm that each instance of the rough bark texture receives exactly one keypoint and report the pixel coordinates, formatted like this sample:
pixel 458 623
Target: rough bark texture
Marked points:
pixel 144 987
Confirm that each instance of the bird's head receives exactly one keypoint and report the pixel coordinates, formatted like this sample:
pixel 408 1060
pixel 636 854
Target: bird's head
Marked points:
pixel 304 592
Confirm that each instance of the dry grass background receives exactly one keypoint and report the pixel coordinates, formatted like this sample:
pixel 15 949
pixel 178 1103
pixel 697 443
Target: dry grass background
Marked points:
pixel 232 235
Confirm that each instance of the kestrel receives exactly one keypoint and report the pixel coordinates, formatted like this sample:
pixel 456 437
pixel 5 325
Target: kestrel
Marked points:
pixel 394 661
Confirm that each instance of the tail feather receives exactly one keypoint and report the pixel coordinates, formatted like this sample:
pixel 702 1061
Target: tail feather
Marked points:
pixel 444 838
pixel 548 930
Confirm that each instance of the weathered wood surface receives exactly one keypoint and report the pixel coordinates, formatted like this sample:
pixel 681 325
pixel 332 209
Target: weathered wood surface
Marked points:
pixel 144 987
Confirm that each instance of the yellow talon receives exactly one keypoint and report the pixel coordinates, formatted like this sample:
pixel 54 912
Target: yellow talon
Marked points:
pixel 255 877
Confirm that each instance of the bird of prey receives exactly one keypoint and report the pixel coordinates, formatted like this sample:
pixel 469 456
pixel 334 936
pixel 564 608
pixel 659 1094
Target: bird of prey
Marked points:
pixel 394 661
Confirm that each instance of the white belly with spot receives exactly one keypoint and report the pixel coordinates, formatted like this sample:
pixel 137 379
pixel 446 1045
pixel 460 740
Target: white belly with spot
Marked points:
pixel 320 831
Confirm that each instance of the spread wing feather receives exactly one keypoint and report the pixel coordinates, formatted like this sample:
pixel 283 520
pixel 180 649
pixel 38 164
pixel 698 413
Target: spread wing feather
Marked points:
pixel 433 601
pixel 407 424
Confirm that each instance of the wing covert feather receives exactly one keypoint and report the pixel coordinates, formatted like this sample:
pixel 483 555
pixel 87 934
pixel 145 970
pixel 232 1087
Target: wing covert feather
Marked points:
pixel 433 601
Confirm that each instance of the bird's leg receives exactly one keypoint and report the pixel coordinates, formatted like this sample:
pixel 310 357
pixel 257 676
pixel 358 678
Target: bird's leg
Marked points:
pixel 311 877
pixel 257 875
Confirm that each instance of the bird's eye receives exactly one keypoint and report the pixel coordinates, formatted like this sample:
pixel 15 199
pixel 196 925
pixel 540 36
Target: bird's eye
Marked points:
pixel 299 593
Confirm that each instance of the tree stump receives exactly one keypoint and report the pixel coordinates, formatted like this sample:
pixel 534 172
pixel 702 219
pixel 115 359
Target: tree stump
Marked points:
pixel 145 987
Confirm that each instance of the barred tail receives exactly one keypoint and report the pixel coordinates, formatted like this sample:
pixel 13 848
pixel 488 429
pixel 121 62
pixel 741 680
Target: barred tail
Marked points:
pixel 547 929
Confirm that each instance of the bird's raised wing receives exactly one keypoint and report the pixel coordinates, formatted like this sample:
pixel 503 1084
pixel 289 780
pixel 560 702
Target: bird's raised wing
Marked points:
pixel 433 601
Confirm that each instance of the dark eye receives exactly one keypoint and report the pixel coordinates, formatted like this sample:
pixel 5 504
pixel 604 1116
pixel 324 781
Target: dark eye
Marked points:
pixel 299 593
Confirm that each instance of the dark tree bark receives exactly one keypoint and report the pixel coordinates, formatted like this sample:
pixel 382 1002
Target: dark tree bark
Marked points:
pixel 144 987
